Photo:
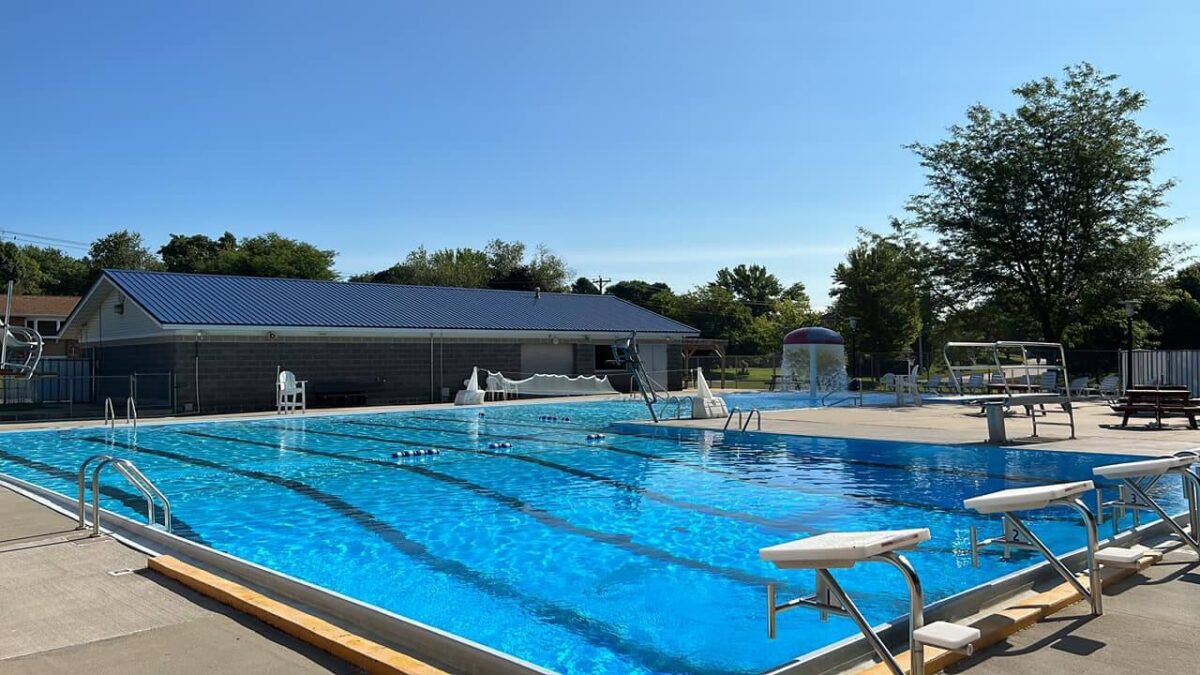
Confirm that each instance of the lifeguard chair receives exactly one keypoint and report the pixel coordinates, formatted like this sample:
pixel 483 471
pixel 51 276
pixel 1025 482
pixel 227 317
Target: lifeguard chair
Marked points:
pixel 21 349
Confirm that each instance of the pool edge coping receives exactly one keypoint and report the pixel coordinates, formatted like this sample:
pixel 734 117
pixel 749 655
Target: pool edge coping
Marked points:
pixel 413 639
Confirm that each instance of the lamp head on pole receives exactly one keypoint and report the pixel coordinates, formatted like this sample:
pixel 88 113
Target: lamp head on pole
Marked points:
pixel 1130 307
pixel 853 321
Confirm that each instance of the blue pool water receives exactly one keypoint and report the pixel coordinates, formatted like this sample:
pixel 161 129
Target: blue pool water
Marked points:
pixel 634 554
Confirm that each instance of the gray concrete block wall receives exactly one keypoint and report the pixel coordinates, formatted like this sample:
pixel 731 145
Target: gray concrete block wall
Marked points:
pixel 238 374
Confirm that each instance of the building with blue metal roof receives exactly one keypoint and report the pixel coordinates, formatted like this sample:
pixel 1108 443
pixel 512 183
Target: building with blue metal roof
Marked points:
pixel 220 340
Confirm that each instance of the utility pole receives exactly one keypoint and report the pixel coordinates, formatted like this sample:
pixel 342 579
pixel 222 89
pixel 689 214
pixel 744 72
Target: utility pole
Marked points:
pixel 600 281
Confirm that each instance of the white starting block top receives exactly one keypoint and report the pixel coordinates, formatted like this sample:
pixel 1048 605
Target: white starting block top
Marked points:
pixel 840 549
pixel 1026 499
pixel 1147 467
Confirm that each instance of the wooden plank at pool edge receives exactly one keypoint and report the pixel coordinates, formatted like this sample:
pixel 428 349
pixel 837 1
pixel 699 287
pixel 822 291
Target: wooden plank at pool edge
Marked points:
pixel 356 650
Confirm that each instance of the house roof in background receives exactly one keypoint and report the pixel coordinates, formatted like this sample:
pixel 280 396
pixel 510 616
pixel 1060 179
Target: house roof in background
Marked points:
pixel 42 305
pixel 228 301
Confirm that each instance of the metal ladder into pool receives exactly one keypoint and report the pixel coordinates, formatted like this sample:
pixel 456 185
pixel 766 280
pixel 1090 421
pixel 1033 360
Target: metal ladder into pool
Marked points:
pixel 744 419
pixel 110 414
pixel 134 476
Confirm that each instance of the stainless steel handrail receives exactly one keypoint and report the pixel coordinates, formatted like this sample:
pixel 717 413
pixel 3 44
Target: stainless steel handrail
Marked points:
pixel 856 395
pixel 80 478
pixel 110 414
pixel 134 476
pixel 744 418
pixel 730 418
pixel 131 411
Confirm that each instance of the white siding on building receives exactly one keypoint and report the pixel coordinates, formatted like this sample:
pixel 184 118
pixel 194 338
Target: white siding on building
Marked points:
pixel 106 324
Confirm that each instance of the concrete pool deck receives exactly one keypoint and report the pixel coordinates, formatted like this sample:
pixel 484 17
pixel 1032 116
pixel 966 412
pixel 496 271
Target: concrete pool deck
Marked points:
pixel 65 612
pixel 1096 427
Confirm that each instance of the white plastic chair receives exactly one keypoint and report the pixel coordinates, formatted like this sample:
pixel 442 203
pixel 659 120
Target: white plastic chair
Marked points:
pixel 290 393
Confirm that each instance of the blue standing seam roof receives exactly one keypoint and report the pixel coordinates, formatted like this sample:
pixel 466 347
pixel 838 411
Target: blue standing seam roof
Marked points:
pixel 217 300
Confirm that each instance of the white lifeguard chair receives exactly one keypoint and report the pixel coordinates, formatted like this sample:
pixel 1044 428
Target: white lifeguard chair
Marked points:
pixel 290 393
pixel 841 550
pixel 21 349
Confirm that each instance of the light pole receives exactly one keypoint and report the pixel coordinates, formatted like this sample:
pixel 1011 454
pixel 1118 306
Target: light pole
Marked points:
pixel 853 320
pixel 1130 309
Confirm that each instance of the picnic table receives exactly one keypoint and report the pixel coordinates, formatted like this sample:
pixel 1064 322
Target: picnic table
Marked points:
pixel 1162 402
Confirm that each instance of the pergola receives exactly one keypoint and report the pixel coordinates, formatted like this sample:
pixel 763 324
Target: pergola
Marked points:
pixel 694 345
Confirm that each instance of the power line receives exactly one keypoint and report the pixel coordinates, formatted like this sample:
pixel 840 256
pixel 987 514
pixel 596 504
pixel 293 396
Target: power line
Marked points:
pixel 41 240
pixel 600 281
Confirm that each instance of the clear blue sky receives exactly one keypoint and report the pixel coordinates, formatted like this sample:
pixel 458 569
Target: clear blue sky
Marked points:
pixel 654 140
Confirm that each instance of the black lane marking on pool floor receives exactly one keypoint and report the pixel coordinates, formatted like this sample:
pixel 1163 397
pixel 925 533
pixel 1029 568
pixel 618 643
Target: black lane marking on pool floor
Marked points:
pixel 652 495
pixel 954 471
pixel 515 503
pixel 869 499
pixel 130 500
pixel 591 629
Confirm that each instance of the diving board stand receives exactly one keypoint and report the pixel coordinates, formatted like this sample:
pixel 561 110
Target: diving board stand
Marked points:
pixel 843 550
pixel 1018 535
pixel 1012 393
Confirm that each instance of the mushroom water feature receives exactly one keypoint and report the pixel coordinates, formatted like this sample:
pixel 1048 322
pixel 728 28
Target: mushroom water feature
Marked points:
pixel 814 359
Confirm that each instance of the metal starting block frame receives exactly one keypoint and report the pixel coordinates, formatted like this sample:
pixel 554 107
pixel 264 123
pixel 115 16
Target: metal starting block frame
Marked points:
pixel 844 550
pixel 1018 535
pixel 1138 478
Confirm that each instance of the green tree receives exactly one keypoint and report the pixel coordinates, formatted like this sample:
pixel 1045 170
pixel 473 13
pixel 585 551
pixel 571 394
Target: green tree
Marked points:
pixel 54 272
pixel 711 309
pixel 1052 208
pixel 584 286
pixel 122 250
pixel 752 285
pixel 274 255
pixel 196 252
pixel 500 265
pixel 878 284
pixel 638 292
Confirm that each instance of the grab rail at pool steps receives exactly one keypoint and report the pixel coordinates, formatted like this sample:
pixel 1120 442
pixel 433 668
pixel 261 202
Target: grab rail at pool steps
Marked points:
pixel 110 415
pixel 134 476
pixel 744 418
pixel 131 411
pixel 855 394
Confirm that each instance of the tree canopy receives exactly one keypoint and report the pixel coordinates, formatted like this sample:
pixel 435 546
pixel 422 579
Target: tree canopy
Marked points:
pixel 501 264
pixel 268 255
pixel 878 284
pixel 1052 209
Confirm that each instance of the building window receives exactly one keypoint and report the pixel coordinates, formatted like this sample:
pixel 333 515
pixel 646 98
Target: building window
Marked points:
pixel 45 327
pixel 606 359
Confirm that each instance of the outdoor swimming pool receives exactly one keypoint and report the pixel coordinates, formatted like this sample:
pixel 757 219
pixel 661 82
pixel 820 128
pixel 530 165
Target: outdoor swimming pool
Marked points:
pixel 637 553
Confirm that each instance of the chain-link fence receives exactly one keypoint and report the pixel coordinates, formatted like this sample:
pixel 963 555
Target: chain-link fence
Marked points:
pixel 66 389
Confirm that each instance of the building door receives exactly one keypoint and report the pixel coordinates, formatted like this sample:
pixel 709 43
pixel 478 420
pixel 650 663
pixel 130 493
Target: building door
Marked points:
pixel 548 359
pixel 654 358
